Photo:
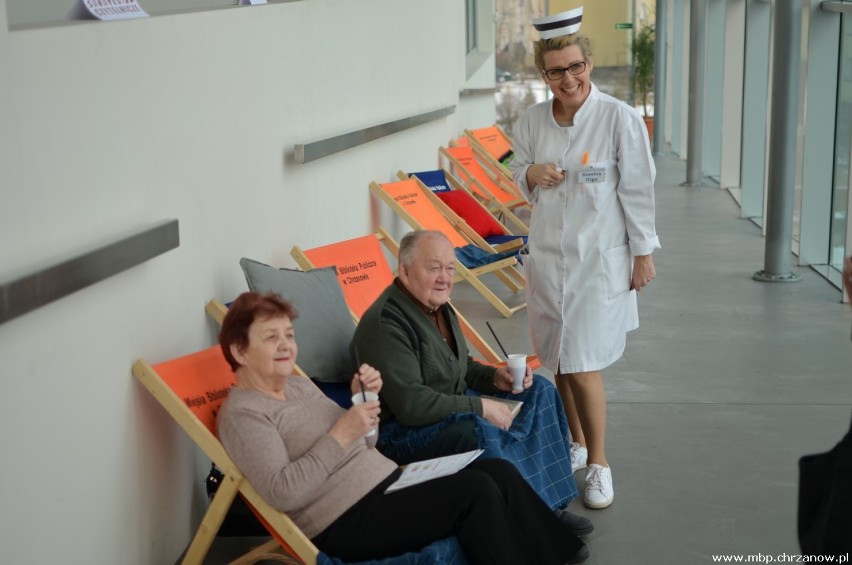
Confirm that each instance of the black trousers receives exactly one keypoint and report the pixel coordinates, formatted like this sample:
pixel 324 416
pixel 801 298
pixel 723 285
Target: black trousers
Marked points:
pixel 488 506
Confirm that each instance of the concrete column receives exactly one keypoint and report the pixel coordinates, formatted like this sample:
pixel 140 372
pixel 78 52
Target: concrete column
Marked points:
pixel 695 120
pixel 786 55
pixel 660 78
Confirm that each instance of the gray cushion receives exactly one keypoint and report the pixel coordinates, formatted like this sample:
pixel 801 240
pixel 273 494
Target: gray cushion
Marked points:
pixel 324 326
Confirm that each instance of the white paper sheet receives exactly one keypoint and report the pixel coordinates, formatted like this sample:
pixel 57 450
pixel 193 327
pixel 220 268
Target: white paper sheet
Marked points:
pixel 422 471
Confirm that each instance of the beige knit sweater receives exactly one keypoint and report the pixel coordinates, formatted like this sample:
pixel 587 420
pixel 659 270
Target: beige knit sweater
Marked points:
pixel 284 450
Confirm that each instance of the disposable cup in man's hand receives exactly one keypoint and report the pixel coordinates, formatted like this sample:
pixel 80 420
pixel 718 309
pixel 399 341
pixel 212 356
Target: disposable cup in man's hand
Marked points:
pixel 360 399
pixel 517 363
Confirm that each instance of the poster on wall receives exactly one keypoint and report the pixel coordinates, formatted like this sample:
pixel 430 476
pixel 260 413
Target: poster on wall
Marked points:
pixel 106 10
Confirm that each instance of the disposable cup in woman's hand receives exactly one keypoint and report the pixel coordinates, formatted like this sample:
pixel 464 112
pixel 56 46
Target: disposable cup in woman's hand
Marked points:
pixel 360 398
pixel 517 364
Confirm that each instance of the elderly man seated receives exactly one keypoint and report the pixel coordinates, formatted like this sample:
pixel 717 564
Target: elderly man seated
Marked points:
pixel 432 403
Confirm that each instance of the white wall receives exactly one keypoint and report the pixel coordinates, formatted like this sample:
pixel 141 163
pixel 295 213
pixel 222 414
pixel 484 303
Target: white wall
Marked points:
pixel 109 127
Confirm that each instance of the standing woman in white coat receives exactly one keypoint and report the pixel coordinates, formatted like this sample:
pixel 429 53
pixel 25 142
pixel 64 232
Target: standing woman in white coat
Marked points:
pixel 583 160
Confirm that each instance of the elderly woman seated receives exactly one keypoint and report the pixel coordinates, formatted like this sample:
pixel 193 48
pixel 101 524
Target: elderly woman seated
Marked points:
pixel 317 462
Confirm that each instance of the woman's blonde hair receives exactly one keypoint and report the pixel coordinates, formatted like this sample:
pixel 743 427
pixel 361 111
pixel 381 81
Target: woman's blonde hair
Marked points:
pixel 543 46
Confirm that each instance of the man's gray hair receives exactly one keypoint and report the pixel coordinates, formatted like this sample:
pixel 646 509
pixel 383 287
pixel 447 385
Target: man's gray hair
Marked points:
pixel 408 245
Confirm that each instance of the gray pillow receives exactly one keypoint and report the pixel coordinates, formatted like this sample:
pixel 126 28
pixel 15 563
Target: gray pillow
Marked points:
pixel 324 326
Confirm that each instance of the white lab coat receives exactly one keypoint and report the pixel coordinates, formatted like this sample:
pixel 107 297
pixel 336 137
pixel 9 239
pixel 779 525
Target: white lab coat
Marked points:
pixel 584 235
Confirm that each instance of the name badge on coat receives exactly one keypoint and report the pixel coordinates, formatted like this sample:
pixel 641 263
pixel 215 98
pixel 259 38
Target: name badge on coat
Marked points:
pixel 592 175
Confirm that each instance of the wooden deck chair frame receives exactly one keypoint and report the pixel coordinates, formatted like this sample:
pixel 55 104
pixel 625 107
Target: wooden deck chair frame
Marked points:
pixel 476 187
pixel 284 532
pixel 504 269
pixel 473 337
pixel 521 228
pixel 477 138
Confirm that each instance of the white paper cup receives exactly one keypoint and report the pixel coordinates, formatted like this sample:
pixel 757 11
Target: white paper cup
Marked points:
pixel 517 363
pixel 359 399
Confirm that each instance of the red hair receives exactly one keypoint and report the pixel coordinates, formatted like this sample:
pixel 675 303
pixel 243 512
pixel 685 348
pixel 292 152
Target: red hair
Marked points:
pixel 248 307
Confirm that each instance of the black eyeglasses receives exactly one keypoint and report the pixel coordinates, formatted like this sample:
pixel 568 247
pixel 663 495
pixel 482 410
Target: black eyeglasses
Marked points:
pixel 558 73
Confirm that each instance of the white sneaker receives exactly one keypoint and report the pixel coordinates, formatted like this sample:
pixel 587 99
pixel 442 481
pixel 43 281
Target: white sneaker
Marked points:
pixel 579 455
pixel 599 493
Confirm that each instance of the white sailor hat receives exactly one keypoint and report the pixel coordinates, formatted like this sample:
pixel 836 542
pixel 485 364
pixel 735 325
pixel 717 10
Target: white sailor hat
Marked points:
pixel 563 23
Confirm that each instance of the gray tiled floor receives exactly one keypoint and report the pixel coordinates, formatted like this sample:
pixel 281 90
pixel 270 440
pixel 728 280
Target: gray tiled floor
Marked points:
pixel 723 387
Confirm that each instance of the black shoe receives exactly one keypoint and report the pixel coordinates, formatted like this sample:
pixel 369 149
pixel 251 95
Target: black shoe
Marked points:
pixel 581 555
pixel 579 525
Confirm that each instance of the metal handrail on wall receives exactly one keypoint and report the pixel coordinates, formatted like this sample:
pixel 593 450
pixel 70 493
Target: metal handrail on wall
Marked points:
pixel 834 6
pixel 307 152
pixel 37 289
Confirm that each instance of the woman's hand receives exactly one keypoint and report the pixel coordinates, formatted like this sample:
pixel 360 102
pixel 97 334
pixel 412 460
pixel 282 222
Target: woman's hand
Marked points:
pixel 643 272
pixel 356 422
pixel 546 175
pixel 503 379
pixel 369 376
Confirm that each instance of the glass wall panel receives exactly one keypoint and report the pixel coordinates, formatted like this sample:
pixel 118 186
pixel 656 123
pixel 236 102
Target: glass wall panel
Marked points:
pixel 842 148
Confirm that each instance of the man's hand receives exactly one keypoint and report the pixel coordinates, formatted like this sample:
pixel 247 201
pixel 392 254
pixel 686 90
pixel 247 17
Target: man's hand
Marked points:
pixel 503 379
pixel 497 413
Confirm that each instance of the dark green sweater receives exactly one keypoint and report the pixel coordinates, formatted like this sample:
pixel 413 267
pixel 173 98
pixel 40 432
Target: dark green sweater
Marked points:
pixel 424 381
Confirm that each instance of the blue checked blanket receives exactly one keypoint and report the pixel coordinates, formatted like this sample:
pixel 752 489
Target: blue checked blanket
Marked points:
pixel 472 256
pixel 537 442
pixel 447 551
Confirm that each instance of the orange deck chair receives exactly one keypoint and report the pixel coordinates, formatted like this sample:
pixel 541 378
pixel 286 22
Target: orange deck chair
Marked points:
pixel 500 194
pixel 494 144
pixel 422 210
pixel 494 167
pixel 366 274
pixel 191 389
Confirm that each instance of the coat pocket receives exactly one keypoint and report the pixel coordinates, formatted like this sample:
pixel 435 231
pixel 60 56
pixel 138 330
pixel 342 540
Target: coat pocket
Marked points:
pixel 598 182
pixel 616 263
